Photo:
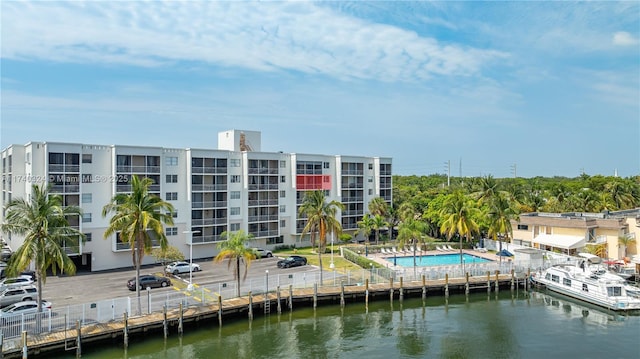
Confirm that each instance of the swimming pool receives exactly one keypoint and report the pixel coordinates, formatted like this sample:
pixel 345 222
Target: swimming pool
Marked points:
pixel 436 260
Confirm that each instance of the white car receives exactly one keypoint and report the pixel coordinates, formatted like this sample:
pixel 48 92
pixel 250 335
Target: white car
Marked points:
pixel 15 282
pixel 262 253
pixel 25 307
pixel 181 267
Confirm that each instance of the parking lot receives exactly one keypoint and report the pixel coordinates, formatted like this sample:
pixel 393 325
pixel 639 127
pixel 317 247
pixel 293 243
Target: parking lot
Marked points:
pixel 92 287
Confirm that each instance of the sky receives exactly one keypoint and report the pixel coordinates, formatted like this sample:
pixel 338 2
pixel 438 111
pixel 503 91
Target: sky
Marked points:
pixel 520 88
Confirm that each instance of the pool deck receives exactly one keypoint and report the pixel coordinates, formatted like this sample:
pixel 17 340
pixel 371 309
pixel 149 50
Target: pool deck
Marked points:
pixel 380 257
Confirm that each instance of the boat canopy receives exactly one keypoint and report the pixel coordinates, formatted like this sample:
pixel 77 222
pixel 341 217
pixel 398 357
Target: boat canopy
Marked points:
pixel 593 259
pixel 560 241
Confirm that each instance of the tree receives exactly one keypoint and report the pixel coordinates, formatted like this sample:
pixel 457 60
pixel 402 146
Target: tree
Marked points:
pixel 458 212
pixel 379 223
pixel 43 221
pixel 626 241
pixel 138 219
pixel 378 206
pixel 321 218
pixel 235 250
pixel 167 255
pixel 500 215
pixel 411 231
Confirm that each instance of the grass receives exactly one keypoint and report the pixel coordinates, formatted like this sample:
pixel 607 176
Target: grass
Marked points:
pixel 341 265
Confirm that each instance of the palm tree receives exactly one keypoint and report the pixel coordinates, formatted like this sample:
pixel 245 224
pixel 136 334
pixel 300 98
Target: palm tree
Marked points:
pixel 235 250
pixel 138 219
pixel 626 241
pixel 379 223
pixel 43 221
pixel 500 214
pixel 321 218
pixel 459 213
pixel 411 231
pixel 378 206
pixel 365 227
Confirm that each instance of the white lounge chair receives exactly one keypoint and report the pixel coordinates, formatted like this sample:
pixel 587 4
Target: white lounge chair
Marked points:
pixel 393 249
pixel 384 251
pixel 449 248
pixel 439 249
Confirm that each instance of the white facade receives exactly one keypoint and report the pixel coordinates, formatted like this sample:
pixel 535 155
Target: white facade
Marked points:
pixel 212 190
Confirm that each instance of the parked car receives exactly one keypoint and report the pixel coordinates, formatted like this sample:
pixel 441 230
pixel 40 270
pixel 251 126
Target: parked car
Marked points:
pixel 18 294
pixel 28 273
pixel 182 267
pixel 149 280
pixel 15 282
pixel 25 307
pixel 292 261
pixel 262 253
pixel 5 253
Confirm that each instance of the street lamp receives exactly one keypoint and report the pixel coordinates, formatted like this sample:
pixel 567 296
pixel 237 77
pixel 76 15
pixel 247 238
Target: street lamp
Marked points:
pixel 332 265
pixel 190 286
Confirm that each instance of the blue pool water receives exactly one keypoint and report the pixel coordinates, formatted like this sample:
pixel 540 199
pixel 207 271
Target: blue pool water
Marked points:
pixel 436 260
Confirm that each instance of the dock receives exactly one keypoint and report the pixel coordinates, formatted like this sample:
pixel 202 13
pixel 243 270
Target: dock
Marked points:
pixel 175 320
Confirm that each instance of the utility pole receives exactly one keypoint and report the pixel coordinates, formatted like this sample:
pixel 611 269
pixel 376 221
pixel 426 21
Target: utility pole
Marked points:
pixel 448 168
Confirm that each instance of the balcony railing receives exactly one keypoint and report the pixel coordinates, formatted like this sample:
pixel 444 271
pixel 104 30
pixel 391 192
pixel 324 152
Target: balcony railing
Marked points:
pixel 271 233
pixel 208 187
pixel 263 202
pixel 254 187
pixel 352 199
pixel 208 170
pixel 208 221
pixel 64 168
pixel 271 171
pixel 138 169
pixel 207 239
pixel 209 204
pixel 353 172
pixel 264 218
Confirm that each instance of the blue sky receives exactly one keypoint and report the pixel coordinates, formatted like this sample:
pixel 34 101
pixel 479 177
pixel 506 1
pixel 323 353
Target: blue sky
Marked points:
pixel 547 88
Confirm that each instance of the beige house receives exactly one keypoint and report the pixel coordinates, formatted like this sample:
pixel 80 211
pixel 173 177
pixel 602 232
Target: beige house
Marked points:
pixel 571 232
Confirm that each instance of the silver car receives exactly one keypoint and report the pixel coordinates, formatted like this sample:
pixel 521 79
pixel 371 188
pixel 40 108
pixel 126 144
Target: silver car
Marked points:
pixel 182 267
pixel 19 294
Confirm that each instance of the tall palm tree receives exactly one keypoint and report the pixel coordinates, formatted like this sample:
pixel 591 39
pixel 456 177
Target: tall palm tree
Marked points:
pixel 321 218
pixel 378 206
pixel 459 212
pixel 500 215
pixel 411 231
pixel 365 227
pixel 43 221
pixel 378 223
pixel 138 219
pixel 235 250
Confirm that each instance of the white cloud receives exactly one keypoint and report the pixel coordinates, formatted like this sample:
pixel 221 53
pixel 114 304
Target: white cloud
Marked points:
pixel 623 38
pixel 273 36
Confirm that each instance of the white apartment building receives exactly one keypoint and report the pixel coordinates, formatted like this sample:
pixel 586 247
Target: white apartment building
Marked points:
pixel 234 187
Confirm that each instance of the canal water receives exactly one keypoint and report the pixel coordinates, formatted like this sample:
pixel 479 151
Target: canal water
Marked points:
pixel 519 325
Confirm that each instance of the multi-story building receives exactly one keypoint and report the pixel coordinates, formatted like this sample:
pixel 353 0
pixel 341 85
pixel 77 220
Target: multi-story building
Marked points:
pixel 234 187
pixel 572 232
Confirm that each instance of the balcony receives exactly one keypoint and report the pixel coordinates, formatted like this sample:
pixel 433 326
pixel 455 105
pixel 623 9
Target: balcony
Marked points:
pixel 210 204
pixel 262 202
pixel 64 168
pixel 197 170
pixel 352 172
pixel 207 239
pixel 269 171
pixel 262 234
pixel 208 221
pixel 264 218
pixel 137 169
pixel 208 187
pixel 262 187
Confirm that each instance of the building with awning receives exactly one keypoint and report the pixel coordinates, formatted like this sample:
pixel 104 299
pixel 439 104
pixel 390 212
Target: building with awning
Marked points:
pixel 565 242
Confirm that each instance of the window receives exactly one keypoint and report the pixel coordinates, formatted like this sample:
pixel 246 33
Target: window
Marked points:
pixel 174 214
pixel 283 179
pixel 87 178
pixel 234 227
pixel 283 208
pixel 171 231
pixel 555 278
pixel 87 158
pixel 235 179
pixel 87 198
pixel 614 291
pixel 283 194
pixel 523 227
pixel 171 196
pixel 234 195
pixel 585 288
pixel 370 179
pixel 234 163
pixel 172 179
pixel 370 166
pixel 566 281
pixel 87 237
pixel 234 211
pixel 283 223
pixel 171 161
pixel 325 164
pixel 370 192
pixel 283 164
pixel 86 217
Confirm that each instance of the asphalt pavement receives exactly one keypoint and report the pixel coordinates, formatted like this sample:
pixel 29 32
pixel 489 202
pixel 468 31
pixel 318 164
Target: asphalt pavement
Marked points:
pixel 89 287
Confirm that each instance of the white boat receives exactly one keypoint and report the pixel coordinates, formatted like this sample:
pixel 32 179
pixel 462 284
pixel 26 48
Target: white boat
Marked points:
pixel 591 284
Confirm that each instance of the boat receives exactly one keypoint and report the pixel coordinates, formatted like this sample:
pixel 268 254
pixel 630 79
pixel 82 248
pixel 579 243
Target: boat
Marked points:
pixel 590 283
